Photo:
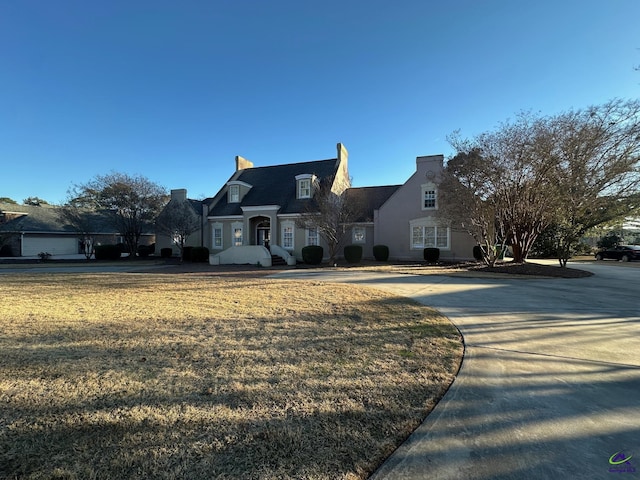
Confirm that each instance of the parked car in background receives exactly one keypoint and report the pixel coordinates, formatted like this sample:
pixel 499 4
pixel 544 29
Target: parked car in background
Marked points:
pixel 621 252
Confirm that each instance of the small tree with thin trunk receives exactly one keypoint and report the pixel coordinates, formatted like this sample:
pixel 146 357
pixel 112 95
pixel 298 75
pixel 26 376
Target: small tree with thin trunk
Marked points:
pixel 330 213
pixel 85 222
pixel 178 221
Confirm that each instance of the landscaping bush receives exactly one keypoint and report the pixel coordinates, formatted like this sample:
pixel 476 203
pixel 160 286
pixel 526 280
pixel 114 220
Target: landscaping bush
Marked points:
pixel 381 253
pixel 312 254
pixel 353 253
pixel 107 252
pixel 431 255
pixel 145 250
pixel 200 254
pixel 186 253
pixel 477 252
pixel 123 247
pixel 166 252
pixel 6 251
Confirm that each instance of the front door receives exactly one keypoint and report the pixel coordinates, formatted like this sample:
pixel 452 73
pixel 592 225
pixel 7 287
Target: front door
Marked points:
pixel 264 236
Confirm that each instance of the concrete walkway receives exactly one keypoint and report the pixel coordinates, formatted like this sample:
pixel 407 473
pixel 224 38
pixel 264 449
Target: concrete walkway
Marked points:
pixel 550 382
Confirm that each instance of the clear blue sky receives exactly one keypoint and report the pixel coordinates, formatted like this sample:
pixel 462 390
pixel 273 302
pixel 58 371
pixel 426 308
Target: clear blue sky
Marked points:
pixel 174 90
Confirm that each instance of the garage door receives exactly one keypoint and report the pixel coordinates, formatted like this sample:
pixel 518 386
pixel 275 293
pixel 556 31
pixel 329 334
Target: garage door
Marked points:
pixel 32 246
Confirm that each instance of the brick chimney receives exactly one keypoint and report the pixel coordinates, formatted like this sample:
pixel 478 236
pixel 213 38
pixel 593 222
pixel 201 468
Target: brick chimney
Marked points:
pixel 242 163
pixel 342 180
pixel 179 195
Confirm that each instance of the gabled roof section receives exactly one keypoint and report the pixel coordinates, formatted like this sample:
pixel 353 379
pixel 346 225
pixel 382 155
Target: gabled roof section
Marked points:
pixel 273 185
pixel 196 205
pixel 30 218
pixel 369 199
pixel 46 219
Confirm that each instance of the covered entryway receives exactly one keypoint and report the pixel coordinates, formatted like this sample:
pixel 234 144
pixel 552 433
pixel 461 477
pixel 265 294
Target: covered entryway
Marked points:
pixel 262 231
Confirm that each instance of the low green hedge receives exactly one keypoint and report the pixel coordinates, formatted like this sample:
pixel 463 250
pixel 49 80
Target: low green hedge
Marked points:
pixel 200 254
pixel 353 253
pixel 381 253
pixel 145 250
pixel 312 254
pixel 107 252
pixel 431 255
pixel 166 252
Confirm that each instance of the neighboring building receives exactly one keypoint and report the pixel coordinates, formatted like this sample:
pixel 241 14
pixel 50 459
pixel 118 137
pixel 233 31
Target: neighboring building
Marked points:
pixel 197 238
pixel 258 207
pixel 27 230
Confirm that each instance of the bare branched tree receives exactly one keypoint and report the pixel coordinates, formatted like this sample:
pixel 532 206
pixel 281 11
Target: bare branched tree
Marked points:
pixel 598 156
pixel 504 178
pixel 330 213
pixel 85 222
pixel 178 221
pixel 574 170
pixel 466 196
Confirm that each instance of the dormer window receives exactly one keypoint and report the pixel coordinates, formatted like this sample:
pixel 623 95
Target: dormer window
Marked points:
pixel 304 189
pixel 234 193
pixel 304 185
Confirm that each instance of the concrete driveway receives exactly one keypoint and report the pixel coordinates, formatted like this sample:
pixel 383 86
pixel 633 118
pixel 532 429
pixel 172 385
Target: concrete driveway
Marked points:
pixel 550 382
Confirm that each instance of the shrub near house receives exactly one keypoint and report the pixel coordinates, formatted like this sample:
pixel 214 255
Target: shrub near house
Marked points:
pixel 353 253
pixel 108 252
pixel 312 254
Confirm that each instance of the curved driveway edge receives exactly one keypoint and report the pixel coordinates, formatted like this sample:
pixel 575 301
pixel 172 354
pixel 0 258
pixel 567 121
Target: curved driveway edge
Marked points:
pixel 550 383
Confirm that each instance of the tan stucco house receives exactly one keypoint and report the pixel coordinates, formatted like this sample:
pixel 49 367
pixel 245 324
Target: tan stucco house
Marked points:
pixel 257 207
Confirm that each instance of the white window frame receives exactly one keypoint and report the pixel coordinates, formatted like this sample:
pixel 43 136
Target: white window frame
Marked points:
pixel 304 185
pixel 237 234
pixel 429 188
pixel 313 239
pixel 217 228
pixel 359 234
pixel 304 188
pixel 234 193
pixel 425 233
pixel 287 235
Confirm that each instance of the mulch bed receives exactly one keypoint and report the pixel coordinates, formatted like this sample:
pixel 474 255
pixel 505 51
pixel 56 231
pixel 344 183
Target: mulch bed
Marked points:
pixel 531 269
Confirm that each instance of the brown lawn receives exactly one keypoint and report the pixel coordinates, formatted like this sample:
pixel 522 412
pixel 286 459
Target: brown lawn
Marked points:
pixel 191 376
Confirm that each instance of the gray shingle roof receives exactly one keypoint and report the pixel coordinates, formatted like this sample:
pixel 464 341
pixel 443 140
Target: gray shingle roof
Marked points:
pixel 45 218
pixel 196 205
pixel 42 218
pixel 273 185
pixel 370 199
